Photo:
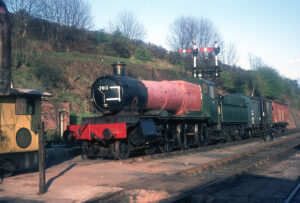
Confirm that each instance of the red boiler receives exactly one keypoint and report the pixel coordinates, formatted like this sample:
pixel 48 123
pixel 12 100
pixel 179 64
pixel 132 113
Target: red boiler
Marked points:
pixel 174 96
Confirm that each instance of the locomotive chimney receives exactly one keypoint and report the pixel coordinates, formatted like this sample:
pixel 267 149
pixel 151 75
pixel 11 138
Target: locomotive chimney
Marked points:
pixel 5 51
pixel 119 68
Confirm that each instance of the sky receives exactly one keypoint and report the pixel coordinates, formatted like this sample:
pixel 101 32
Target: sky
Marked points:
pixel 269 29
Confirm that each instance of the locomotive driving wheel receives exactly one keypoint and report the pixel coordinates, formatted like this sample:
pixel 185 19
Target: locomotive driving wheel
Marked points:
pixel 201 137
pixel 184 140
pixel 151 149
pixel 249 133
pixel 122 149
pixel 228 134
pixel 169 141
pixel 88 151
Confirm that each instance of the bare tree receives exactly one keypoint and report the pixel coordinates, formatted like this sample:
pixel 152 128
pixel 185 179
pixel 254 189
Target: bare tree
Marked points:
pixel 67 12
pixel 255 61
pixel 64 12
pixel 129 26
pixel 230 54
pixel 31 7
pixel 184 30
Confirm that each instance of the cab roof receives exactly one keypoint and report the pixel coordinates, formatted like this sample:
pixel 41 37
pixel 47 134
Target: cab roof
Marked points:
pixel 29 92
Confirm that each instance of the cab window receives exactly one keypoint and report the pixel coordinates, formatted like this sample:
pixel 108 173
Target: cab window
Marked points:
pixel 24 106
pixel 212 92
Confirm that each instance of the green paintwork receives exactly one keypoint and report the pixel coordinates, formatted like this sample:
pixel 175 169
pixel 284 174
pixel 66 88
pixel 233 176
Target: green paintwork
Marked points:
pixel 209 109
pixel 260 110
pixel 255 111
pixel 235 108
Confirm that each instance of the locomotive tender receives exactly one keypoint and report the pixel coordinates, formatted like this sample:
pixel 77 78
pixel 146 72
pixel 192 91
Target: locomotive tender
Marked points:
pixel 169 114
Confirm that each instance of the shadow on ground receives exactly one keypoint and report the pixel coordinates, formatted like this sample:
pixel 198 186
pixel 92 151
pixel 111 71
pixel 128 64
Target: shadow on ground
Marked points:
pixel 246 188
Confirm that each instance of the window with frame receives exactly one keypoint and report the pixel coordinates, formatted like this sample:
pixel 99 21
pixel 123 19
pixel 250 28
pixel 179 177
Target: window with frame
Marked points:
pixel 24 106
pixel 212 92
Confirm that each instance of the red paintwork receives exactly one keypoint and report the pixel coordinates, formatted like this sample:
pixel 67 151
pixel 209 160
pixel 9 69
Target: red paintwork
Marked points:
pixel 280 112
pixel 202 49
pixel 185 50
pixel 118 130
pixel 174 96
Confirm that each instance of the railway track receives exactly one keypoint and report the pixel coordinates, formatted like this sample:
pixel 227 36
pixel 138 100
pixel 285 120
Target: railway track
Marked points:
pixel 293 194
pixel 142 158
pixel 182 184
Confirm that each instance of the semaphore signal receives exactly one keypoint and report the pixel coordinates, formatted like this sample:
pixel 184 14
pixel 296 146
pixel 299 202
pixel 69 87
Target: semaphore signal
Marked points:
pixel 199 73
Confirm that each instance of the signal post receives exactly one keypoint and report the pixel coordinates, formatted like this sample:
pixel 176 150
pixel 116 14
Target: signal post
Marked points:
pixel 197 72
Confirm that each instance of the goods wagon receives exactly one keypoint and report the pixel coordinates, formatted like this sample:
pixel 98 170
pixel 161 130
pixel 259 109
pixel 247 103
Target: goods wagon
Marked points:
pixel 280 115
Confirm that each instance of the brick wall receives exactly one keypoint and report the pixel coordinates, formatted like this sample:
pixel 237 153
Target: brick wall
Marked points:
pixel 51 112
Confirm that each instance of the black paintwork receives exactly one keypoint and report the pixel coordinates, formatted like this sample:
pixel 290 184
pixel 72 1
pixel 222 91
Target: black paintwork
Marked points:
pixel 109 99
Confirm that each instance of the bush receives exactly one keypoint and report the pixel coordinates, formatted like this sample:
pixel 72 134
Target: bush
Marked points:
pixel 50 76
pixel 101 37
pixel 143 54
pixel 76 119
pixel 227 81
pixel 157 51
pixel 119 48
pixel 270 82
pixel 174 58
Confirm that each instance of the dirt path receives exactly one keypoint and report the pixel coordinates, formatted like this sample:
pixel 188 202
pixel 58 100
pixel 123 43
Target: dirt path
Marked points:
pixel 79 180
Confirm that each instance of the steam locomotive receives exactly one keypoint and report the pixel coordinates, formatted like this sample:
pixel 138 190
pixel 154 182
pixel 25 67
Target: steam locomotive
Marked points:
pixel 152 115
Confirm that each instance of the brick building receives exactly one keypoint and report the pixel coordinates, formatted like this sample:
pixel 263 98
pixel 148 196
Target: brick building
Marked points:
pixel 56 116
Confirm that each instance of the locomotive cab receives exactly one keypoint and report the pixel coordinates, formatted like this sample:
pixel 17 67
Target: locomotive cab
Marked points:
pixel 210 99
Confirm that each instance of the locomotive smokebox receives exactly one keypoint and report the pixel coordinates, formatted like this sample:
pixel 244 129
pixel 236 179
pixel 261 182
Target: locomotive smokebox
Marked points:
pixel 5 55
pixel 119 68
pixel 113 93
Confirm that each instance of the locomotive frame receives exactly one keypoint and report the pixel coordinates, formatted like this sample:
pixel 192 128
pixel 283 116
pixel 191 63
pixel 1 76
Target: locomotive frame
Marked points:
pixel 147 115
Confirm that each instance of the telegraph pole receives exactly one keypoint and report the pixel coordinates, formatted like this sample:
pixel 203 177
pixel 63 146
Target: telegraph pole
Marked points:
pixel 42 175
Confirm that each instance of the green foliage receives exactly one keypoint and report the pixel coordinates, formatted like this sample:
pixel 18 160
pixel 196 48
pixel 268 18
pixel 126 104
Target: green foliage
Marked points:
pixel 50 76
pixel 143 54
pixel 292 91
pixel 227 81
pixel 101 36
pixel 269 83
pixel 77 118
pixel 67 96
pixel 236 81
pixel 53 136
pixel 118 34
pixel 56 44
pixel 175 58
pixel 119 47
pixel 23 77
pixel 157 51
pixel 263 82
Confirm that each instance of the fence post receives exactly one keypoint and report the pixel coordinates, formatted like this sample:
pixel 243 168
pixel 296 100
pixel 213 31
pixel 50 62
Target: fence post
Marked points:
pixel 42 188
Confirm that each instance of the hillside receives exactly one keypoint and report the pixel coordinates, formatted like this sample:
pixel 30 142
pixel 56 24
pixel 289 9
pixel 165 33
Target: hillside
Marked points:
pixel 67 63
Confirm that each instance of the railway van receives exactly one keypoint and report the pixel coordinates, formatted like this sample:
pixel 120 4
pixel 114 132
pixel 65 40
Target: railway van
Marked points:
pixel 20 116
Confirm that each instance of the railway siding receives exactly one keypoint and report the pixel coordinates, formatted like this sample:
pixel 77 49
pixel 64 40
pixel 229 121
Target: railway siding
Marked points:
pixel 138 180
